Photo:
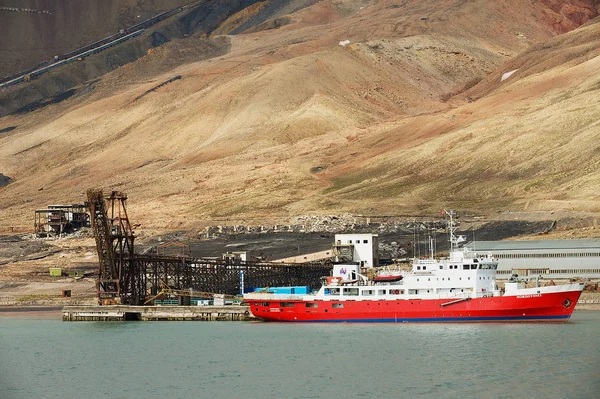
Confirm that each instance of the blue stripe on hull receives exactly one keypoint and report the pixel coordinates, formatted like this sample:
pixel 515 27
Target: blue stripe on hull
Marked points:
pixel 436 319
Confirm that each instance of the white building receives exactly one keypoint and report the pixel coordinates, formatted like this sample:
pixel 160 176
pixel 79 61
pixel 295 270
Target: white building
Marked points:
pixel 361 248
pixel 552 259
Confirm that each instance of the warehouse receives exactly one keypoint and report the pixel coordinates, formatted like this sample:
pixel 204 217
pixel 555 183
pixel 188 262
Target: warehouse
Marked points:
pixel 552 259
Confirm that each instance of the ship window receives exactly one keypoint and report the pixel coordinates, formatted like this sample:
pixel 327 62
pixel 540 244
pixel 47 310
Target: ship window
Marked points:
pixel 333 291
pixel 312 305
pixel 465 267
pixel 365 241
pixel 394 292
pixel 381 292
pixel 337 305
pixel 441 267
pixel 417 279
pixel 424 267
pixel 473 267
pixel 368 292
pixel 265 304
pixel 468 278
pixel 288 304
pixel 350 291
pixel 418 267
pixel 428 279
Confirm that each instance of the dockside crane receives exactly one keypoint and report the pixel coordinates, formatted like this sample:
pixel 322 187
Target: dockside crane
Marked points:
pixel 114 243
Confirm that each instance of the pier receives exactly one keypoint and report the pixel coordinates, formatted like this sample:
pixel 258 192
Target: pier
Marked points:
pixel 156 313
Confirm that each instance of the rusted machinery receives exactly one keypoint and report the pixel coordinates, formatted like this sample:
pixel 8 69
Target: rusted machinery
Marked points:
pixel 129 278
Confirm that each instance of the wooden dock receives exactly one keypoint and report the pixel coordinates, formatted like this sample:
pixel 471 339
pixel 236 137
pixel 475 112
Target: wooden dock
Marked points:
pixel 156 313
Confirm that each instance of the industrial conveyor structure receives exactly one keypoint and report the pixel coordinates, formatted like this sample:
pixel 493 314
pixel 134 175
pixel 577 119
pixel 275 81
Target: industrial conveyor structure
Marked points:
pixel 129 278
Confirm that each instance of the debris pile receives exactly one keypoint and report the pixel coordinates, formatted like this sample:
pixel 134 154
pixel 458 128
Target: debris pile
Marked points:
pixel 329 224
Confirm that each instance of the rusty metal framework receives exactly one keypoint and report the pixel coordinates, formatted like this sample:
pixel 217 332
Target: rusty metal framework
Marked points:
pixel 130 278
pixel 114 243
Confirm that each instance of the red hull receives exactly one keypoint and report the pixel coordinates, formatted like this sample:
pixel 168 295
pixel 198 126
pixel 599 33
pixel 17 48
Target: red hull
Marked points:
pixel 547 307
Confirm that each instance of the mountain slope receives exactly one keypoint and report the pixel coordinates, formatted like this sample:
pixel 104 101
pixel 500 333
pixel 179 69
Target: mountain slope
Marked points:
pixel 409 116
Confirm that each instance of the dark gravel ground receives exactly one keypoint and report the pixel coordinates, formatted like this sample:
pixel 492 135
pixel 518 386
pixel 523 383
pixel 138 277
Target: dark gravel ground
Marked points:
pixel 274 246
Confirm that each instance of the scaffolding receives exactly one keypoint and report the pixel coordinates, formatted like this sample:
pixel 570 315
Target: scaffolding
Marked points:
pixel 129 278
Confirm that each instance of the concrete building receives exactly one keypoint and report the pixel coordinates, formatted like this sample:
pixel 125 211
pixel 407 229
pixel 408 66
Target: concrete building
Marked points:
pixel 57 219
pixel 361 248
pixel 551 259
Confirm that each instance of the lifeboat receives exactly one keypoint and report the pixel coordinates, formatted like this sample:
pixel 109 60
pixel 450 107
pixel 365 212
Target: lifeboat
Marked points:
pixel 384 278
pixel 333 280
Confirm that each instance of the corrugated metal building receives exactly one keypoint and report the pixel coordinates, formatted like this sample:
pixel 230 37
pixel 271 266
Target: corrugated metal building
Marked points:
pixel 552 259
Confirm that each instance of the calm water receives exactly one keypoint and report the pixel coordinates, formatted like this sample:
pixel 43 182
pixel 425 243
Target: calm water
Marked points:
pixel 52 359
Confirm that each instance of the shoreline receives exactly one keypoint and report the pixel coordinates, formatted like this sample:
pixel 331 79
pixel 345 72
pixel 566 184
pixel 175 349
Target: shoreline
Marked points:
pixel 31 312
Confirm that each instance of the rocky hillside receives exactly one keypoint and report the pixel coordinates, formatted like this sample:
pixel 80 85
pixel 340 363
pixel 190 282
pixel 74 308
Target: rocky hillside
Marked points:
pixel 36 30
pixel 372 107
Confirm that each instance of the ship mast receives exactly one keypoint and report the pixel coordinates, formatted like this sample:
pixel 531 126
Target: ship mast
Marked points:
pixel 454 240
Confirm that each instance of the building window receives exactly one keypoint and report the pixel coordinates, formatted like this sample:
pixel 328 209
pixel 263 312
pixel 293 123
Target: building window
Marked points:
pixel 365 241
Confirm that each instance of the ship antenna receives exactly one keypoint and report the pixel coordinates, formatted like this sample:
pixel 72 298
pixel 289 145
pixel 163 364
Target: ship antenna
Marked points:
pixel 454 240
pixel 451 228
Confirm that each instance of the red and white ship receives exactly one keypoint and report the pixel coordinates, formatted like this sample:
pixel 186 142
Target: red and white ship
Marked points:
pixel 457 289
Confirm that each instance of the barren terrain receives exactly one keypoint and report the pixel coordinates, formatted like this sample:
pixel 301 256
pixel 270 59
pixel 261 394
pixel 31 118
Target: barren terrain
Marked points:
pixel 298 107
pixel 289 122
